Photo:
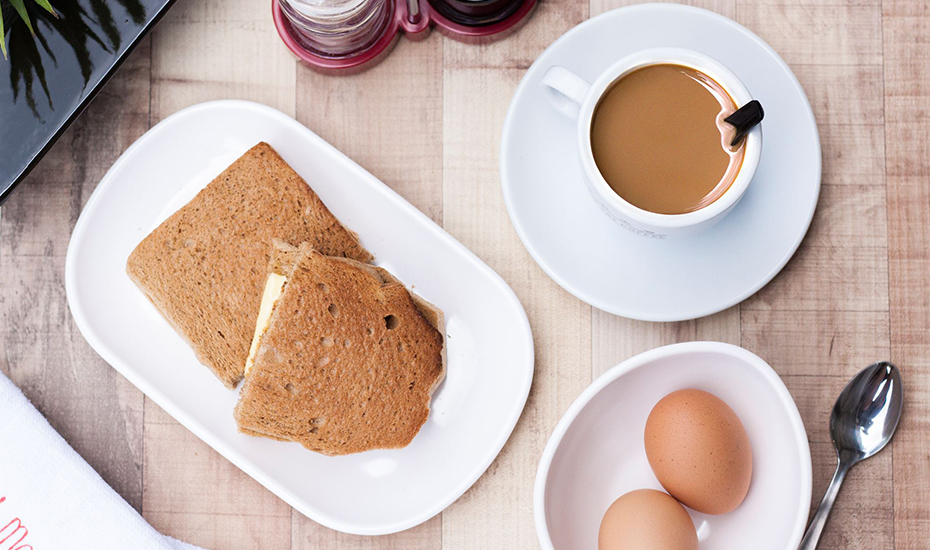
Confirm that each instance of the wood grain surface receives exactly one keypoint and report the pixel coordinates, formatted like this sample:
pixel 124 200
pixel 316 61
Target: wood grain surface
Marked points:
pixel 857 291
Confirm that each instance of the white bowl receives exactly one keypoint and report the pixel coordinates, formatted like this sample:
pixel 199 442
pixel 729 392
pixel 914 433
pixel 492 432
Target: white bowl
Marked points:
pixel 596 453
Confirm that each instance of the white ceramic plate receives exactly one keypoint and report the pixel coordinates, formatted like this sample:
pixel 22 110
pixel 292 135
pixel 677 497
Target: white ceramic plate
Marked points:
pixel 681 277
pixel 596 453
pixel 490 348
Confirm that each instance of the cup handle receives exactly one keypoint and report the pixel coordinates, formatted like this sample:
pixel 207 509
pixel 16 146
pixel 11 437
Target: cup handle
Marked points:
pixel 566 90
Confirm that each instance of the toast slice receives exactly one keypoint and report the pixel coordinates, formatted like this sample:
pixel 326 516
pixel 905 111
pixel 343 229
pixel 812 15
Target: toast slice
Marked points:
pixel 205 266
pixel 348 361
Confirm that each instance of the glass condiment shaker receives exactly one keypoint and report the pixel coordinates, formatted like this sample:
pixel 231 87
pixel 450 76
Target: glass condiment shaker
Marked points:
pixel 347 36
pixel 338 28
pixel 476 13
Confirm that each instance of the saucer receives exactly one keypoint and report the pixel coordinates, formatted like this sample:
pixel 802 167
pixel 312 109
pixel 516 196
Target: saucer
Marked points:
pixel 683 277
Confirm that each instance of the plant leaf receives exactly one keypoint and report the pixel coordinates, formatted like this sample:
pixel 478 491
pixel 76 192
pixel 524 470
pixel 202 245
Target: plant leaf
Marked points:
pixel 21 10
pixel 2 37
pixel 48 6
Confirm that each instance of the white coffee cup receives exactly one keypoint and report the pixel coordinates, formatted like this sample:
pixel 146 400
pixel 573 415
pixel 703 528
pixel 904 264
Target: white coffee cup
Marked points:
pixel 575 97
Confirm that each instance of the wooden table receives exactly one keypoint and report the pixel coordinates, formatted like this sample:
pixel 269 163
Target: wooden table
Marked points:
pixel 857 291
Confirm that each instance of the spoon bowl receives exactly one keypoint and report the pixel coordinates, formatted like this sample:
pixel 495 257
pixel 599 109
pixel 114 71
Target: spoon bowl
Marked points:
pixel 867 412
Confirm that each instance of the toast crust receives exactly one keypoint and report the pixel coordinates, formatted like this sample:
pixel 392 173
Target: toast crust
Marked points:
pixel 204 267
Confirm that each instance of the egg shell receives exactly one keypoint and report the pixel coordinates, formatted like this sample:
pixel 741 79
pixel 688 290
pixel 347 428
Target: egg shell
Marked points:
pixel 646 520
pixel 699 451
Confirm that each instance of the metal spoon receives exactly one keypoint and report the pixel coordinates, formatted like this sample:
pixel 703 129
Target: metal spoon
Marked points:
pixel 863 420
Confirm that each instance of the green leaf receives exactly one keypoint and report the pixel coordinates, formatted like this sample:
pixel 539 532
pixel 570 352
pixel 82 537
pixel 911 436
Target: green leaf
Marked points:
pixel 2 37
pixel 21 10
pixel 48 6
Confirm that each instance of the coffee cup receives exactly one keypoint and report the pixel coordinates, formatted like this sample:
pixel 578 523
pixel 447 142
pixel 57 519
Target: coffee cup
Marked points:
pixel 575 97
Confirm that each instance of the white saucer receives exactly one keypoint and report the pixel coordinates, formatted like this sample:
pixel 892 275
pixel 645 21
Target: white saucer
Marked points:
pixel 614 269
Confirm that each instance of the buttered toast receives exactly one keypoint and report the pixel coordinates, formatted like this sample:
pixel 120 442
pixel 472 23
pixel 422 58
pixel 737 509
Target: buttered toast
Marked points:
pixel 347 360
pixel 204 267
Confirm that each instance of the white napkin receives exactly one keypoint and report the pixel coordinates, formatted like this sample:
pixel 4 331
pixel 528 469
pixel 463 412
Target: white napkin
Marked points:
pixel 50 498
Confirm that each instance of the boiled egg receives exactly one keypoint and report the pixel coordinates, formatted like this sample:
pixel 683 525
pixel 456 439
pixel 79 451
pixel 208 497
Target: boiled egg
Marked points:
pixel 699 451
pixel 646 520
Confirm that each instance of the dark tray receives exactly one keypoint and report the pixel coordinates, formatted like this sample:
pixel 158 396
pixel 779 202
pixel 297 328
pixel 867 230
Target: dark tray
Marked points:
pixel 48 80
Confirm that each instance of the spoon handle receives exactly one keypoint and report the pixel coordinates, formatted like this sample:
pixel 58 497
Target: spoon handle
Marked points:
pixel 744 119
pixel 819 521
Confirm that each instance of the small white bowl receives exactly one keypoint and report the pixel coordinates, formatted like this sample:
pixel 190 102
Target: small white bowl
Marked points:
pixel 596 453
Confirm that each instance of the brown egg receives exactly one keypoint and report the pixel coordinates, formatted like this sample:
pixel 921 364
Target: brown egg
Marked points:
pixel 699 451
pixel 646 520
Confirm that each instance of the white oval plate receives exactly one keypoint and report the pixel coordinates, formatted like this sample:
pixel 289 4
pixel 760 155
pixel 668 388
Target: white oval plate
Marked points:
pixel 681 277
pixel 490 347
pixel 596 453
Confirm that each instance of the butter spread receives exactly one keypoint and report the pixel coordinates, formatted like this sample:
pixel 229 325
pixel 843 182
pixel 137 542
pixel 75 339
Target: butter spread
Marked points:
pixel 274 286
